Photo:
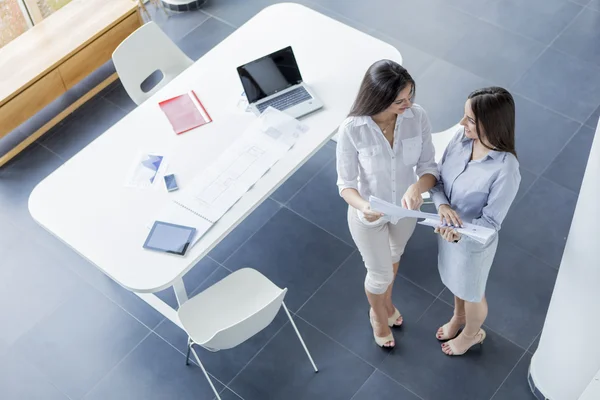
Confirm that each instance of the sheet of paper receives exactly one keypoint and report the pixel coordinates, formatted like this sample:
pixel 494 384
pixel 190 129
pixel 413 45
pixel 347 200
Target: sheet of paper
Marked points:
pixel 213 192
pixel 175 214
pixel 281 126
pixel 476 232
pixel 396 211
pixel 146 170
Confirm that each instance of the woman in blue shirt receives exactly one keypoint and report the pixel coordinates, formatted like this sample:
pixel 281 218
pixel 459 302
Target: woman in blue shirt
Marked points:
pixel 479 179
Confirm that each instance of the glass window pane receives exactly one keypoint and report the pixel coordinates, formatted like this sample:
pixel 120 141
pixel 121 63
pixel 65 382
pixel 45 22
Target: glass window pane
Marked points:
pixel 12 21
pixel 47 7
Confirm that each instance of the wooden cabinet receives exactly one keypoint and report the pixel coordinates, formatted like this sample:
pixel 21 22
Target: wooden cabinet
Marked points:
pixel 30 101
pixel 95 54
pixel 53 56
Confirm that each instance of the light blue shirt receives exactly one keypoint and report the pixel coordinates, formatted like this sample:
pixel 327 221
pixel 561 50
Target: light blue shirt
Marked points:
pixel 480 191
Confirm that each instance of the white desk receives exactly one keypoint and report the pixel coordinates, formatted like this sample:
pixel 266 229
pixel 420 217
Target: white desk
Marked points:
pixel 85 204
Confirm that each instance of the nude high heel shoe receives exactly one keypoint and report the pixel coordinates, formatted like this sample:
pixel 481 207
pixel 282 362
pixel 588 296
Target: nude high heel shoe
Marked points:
pixel 392 320
pixel 455 353
pixel 381 341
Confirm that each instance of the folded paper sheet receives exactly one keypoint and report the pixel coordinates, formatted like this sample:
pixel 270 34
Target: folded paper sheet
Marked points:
pixel 476 232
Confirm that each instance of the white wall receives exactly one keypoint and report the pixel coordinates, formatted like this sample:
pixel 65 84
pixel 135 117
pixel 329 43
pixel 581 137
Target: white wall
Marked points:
pixel 568 356
pixel 592 392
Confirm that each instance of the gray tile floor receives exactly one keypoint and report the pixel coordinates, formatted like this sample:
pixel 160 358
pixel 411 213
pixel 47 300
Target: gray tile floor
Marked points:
pixel 68 332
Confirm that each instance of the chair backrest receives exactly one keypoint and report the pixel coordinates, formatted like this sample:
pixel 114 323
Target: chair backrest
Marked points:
pixel 144 52
pixel 238 333
pixel 442 139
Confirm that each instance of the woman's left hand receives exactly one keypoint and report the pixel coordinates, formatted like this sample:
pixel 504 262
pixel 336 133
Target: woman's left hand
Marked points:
pixel 448 233
pixel 412 199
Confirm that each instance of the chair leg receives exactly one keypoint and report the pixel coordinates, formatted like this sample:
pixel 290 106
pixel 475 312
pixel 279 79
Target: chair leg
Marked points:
pixel 205 373
pixel 300 337
pixel 161 6
pixel 144 10
pixel 187 356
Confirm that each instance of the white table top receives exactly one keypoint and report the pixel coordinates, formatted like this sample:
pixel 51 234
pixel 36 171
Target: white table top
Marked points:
pixel 85 203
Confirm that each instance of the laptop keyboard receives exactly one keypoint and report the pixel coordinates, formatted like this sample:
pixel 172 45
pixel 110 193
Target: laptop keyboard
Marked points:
pixel 286 100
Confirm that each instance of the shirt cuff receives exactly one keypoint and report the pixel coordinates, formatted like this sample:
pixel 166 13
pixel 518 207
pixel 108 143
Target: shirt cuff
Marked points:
pixel 485 223
pixel 433 171
pixel 439 198
pixel 343 186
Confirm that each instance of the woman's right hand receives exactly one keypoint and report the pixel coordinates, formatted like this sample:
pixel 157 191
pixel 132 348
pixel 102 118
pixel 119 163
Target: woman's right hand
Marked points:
pixel 448 216
pixel 369 214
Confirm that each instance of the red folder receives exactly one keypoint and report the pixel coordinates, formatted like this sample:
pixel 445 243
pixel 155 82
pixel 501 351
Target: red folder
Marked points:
pixel 185 112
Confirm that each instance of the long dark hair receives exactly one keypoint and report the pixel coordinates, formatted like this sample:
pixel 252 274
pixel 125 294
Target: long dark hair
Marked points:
pixel 380 87
pixel 494 110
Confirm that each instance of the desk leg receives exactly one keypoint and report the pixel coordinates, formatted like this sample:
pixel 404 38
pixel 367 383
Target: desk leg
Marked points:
pixel 180 291
pixel 161 307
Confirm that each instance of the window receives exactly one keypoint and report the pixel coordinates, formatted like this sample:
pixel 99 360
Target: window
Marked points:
pixel 16 16
pixel 12 21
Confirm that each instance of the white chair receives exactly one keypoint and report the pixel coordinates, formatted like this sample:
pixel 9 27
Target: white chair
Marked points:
pixel 440 142
pixel 144 52
pixel 232 311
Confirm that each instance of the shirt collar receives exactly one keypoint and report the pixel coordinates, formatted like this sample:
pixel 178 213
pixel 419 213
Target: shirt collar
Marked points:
pixel 364 120
pixel 407 113
pixel 493 154
pixel 496 155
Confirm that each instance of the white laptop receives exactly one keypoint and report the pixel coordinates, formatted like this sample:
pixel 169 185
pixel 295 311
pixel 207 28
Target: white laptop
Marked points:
pixel 274 80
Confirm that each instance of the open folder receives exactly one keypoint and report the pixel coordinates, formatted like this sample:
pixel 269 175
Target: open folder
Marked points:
pixel 478 233
pixel 185 112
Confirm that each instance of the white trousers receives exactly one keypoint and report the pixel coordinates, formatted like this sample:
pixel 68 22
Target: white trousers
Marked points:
pixel 380 244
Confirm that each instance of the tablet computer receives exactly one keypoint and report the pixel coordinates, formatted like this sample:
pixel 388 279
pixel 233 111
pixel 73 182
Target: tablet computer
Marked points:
pixel 169 238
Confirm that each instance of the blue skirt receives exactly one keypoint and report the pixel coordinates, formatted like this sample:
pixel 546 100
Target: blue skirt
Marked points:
pixel 465 266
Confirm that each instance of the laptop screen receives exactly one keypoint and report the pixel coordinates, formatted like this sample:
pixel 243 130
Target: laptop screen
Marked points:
pixel 269 74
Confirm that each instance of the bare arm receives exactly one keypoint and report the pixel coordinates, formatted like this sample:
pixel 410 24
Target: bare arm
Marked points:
pixel 426 182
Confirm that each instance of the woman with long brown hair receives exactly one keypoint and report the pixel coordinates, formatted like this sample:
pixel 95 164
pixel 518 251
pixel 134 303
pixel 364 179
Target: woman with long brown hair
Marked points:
pixel 384 149
pixel 479 179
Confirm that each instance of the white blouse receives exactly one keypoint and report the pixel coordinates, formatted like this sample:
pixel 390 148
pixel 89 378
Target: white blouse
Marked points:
pixel 366 161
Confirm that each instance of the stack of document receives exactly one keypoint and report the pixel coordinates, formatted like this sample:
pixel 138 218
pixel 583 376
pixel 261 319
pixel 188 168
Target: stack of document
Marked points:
pixel 216 189
pixel 478 233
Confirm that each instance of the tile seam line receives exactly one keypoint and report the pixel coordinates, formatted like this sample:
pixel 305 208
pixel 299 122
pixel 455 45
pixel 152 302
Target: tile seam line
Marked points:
pixel 51 151
pixel 363 384
pixel 494 331
pixel 325 281
pixel 287 321
pixel 541 176
pixel 235 27
pixel 318 226
pixel 192 360
pixel 508 376
pixel 117 364
pixel 357 355
pixel 251 235
pixel 195 27
pixel 281 205
pixel 313 177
